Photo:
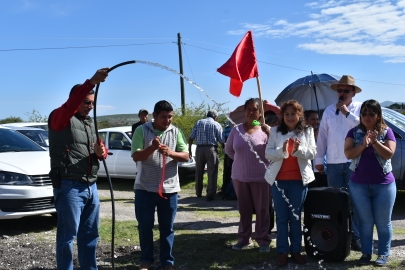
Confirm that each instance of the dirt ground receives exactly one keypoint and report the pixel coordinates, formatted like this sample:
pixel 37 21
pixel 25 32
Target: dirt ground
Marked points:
pixel 29 243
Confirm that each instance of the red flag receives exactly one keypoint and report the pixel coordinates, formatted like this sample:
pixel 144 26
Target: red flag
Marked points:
pixel 242 65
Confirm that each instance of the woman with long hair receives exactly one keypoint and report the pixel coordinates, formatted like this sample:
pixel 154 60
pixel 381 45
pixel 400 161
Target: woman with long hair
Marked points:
pixel 290 149
pixel 370 146
pixel 251 189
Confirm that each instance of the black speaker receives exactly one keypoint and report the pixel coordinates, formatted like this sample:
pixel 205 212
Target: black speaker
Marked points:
pixel 327 218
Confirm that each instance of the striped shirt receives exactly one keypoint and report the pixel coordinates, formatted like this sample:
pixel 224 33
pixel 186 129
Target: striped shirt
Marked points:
pixel 207 132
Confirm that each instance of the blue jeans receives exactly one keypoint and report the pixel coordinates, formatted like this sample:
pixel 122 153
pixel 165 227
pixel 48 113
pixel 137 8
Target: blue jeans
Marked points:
pixel 374 204
pixel 296 192
pixel 145 204
pixel 78 208
pixel 339 176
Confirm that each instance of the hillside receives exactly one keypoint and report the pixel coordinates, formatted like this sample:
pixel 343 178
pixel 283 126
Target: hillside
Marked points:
pixel 119 119
pixel 389 103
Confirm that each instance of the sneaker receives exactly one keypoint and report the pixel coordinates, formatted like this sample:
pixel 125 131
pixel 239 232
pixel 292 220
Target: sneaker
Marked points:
pixel 264 248
pixel 381 260
pixel 240 246
pixel 356 245
pixel 364 259
pixel 145 266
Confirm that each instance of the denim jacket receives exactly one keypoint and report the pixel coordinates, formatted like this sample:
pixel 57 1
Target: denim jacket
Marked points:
pixel 358 135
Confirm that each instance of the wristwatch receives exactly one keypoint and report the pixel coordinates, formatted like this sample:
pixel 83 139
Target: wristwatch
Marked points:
pixel 347 114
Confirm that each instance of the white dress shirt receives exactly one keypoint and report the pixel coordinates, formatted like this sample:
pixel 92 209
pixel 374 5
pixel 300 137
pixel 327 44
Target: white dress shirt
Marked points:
pixel 332 133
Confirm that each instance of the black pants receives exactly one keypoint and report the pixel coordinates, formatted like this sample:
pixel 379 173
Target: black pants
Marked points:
pixel 226 176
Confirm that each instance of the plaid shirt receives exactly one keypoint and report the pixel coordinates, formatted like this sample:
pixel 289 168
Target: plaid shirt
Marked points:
pixel 207 132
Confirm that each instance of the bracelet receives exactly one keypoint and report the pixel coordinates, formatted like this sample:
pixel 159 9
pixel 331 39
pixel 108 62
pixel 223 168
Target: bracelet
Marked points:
pixel 363 146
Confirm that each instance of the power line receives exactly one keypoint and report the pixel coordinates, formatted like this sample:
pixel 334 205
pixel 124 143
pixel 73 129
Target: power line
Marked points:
pixel 308 71
pixel 83 47
pixel 159 43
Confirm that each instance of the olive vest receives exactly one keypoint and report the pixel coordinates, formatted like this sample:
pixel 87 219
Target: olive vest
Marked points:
pixel 71 149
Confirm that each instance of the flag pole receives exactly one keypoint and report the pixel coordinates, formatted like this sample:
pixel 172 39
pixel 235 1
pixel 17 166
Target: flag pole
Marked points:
pixel 260 98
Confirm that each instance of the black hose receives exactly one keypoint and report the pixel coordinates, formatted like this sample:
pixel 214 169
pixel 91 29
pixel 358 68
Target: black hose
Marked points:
pixel 105 165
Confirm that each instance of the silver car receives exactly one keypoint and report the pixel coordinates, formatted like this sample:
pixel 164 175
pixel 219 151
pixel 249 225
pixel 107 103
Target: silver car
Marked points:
pixel 396 122
pixel 38 135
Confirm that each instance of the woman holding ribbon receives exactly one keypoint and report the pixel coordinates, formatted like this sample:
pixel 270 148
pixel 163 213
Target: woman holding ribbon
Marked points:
pixel 248 169
pixel 290 149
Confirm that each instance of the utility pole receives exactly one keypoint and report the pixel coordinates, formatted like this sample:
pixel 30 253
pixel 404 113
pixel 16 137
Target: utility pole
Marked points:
pixel 183 98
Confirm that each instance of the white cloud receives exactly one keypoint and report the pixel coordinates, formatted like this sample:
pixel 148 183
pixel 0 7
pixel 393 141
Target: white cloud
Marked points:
pixel 356 27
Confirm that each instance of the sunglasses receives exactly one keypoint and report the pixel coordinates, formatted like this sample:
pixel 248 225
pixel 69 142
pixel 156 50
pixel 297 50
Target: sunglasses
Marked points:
pixel 346 91
pixel 370 114
pixel 88 102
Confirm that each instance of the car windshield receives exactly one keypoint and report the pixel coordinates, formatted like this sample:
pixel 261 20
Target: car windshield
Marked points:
pixel 12 141
pixel 129 133
pixel 395 118
pixel 38 136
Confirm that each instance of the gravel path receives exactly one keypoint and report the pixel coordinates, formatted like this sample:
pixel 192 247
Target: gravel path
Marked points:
pixel 29 243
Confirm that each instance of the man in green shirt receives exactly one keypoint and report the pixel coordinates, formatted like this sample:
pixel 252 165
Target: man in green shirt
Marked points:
pixel 157 147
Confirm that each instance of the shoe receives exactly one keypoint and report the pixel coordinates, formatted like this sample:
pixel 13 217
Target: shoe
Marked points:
pixel 298 258
pixel 145 266
pixel 364 259
pixel 240 246
pixel 209 198
pixel 283 260
pixel 199 195
pixel 356 245
pixel 169 267
pixel 264 248
pixel 382 260
pixel 221 193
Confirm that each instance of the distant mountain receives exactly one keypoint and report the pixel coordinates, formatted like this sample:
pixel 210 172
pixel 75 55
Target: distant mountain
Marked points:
pixel 389 103
pixel 119 119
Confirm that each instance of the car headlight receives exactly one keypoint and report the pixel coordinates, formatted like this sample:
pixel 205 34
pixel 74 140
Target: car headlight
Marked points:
pixel 11 178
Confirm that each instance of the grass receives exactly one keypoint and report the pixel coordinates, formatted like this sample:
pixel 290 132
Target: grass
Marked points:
pixel 193 249
pixel 202 249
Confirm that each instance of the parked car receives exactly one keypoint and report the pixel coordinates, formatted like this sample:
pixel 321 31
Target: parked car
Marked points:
pixel 25 186
pixel 118 141
pixel 38 135
pixel 396 122
pixel 28 124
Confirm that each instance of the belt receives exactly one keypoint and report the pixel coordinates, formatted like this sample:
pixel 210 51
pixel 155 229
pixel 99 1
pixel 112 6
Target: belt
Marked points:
pixel 206 145
pixel 78 180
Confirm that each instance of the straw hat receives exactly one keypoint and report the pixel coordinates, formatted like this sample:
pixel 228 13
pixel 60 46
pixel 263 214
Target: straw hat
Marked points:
pixel 347 80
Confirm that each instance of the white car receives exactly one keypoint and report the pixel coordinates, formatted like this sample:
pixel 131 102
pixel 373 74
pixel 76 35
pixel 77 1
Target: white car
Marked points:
pixel 25 186
pixel 38 135
pixel 28 124
pixel 119 162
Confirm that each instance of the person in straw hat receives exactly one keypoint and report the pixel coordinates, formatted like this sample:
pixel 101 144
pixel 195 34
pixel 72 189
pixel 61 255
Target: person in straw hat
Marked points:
pixel 336 121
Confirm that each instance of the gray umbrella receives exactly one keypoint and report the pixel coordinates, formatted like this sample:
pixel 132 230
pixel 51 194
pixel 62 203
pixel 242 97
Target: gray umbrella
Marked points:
pixel 313 92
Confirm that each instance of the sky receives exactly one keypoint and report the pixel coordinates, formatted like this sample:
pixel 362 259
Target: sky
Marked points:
pixel 46 47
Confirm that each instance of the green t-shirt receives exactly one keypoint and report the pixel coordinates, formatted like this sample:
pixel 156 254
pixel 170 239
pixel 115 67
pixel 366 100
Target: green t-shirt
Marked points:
pixel 138 144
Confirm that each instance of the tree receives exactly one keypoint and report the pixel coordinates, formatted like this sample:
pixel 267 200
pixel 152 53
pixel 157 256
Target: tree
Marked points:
pixel 103 124
pixel 35 116
pixel 395 106
pixel 192 114
pixel 11 119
